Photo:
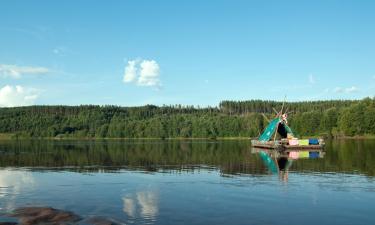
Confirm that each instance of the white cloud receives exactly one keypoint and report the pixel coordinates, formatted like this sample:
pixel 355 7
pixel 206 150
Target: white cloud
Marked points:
pixel 59 51
pixel 143 73
pixel 351 89
pixel 345 90
pixel 311 79
pixel 149 75
pixel 11 96
pixel 62 51
pixel 338 90
pixel 130 73
pixel 15 71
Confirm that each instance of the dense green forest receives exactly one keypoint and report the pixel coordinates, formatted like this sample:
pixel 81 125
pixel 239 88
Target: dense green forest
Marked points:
pixel 230 119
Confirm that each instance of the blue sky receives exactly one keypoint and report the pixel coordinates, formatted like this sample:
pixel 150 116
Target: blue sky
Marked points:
pixel 188 52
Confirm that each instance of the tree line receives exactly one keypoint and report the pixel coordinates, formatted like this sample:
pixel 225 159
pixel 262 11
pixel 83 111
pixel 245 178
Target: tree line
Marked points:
pixel 230 119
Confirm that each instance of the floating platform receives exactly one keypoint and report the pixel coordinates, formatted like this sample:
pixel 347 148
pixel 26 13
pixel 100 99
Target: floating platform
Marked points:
pixel 283 145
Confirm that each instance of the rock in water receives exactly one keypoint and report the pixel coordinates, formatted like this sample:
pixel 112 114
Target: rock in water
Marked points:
pixel 44 215
pixel 101 221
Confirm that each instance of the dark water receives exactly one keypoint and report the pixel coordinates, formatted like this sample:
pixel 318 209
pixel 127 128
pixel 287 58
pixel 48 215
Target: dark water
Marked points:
pixel 188 182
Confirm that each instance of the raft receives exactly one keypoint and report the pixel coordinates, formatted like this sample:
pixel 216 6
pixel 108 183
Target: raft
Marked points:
pixel 283 145
pixel 278 128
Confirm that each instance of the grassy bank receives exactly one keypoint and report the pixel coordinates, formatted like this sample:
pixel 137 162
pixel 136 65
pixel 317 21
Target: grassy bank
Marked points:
pixel 6 136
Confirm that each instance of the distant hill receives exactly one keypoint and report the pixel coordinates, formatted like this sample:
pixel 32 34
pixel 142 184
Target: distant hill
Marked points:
pixel 229 119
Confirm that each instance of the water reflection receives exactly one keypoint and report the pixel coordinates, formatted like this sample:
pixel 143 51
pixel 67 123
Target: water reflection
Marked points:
pixel 179 182
pixel 230 157
pixel 12 183
pixel 280 162
pixel 142 204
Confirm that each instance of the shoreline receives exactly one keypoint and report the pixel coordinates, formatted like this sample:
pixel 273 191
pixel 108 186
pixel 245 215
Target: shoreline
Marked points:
pixel 11 137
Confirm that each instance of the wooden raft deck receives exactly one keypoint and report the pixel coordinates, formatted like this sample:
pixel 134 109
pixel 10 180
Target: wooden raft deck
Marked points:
pixel 284 146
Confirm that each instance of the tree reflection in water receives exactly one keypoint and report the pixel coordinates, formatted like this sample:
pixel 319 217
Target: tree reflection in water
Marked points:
pixel 230 157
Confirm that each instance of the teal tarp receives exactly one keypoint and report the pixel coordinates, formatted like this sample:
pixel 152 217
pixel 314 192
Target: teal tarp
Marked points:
pixel 267 160
pixel 270 130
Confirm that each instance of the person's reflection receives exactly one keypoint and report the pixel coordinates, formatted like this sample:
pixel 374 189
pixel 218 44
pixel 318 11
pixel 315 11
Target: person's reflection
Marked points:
pixel 283 164
pixel 280 165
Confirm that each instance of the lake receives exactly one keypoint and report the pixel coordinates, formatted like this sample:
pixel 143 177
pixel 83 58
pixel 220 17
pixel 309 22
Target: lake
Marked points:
pixel 184 182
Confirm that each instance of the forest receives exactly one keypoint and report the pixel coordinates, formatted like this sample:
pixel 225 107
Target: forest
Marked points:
pixel 230 119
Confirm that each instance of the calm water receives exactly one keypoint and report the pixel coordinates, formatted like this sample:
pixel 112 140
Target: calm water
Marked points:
pixel 189 182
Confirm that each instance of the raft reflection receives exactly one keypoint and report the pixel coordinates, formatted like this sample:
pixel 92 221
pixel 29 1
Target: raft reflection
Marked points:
pixel 279 162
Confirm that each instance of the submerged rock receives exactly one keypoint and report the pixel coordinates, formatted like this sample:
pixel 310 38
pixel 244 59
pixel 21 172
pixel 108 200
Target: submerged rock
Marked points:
pixel 101 221
pixel 44 215
pixel 51 216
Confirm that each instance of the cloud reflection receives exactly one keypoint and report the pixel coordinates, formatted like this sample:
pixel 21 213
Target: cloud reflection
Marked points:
pixel 143 204
pixel 129 206
pixel 12 183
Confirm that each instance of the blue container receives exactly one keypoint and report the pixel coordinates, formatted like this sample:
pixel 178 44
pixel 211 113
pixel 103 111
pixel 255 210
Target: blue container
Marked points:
pixel 313 155
pixel 313 141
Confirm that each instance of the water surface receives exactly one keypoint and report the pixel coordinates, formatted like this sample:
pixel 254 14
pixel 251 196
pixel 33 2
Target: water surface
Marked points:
pixel 188 182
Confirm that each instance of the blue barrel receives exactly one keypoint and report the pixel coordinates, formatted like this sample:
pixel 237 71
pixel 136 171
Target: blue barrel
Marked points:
pixel 313 141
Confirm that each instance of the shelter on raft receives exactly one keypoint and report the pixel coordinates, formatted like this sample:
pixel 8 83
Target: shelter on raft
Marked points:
pixel 288 141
